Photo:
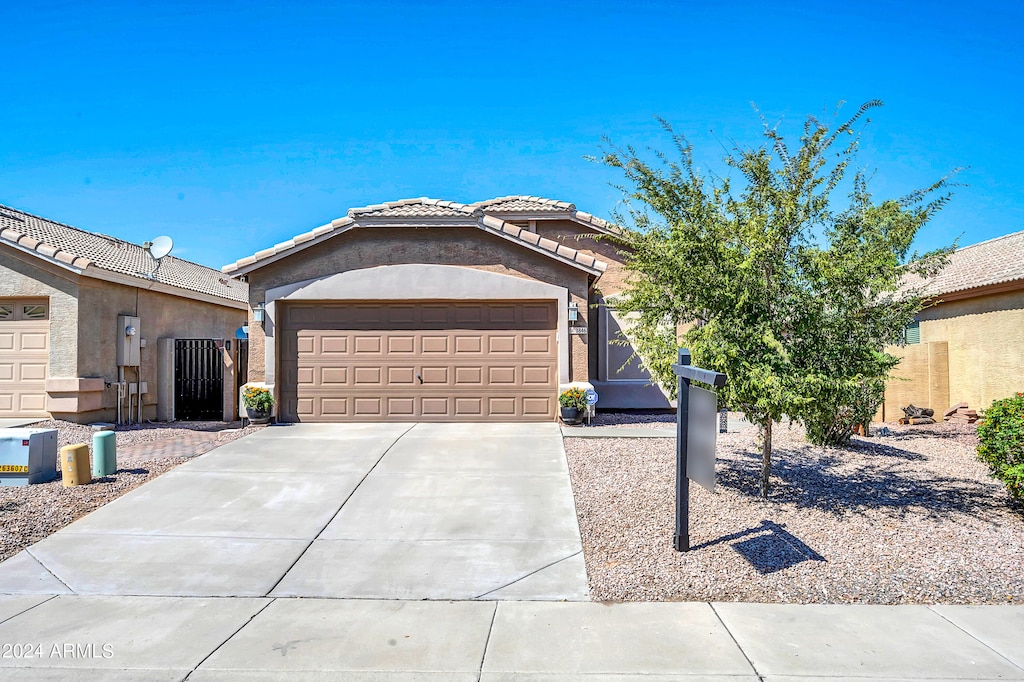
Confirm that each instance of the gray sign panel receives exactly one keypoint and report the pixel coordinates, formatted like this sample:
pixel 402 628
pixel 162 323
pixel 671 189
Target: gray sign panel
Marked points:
pixel 702 434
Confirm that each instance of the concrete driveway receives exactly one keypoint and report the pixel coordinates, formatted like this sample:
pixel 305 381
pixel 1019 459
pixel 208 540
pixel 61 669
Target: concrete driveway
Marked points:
pixel 388 511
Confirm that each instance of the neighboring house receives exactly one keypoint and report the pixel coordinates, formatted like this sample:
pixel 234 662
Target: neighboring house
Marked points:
pixel 62 294
pixel 438 311
pixel 969 345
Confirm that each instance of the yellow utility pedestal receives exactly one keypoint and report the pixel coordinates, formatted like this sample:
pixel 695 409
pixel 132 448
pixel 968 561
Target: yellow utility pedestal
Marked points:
pixel 74 465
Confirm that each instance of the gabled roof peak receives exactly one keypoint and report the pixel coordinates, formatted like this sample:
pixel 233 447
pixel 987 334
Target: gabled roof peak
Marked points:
pixel 420 212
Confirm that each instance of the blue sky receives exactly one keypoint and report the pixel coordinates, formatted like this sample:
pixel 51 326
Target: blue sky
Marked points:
pixel 233 126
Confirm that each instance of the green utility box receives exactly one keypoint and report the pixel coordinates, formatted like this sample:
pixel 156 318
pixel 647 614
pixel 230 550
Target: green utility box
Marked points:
pixel 104 454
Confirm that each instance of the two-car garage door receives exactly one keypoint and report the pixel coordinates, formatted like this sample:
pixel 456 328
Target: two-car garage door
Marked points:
pixel 436 361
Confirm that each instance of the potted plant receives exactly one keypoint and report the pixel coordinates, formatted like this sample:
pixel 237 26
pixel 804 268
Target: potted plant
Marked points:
pixel 259 402
pixel 573 402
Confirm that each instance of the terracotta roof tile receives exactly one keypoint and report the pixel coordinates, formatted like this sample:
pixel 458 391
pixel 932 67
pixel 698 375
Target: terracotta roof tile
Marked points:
pixel 412 208
pixel 990 262
pixel 81 249
pixel 524 204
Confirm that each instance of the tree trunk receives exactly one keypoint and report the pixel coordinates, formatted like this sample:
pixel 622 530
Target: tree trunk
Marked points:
pixel 766 457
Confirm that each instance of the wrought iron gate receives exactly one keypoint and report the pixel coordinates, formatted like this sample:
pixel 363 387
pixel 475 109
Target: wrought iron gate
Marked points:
pixel 198 380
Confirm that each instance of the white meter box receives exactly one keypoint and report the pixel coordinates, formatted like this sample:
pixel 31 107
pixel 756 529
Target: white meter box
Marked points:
pixel 27 456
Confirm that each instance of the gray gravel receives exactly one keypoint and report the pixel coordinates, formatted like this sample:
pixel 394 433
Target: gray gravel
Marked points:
pixel 30 513
pixel 908 519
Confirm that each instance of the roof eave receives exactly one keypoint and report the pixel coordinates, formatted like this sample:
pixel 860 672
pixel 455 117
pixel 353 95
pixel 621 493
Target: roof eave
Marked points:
pixel 974 292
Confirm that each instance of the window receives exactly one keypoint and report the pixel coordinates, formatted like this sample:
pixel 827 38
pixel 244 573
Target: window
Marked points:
pixel 34 311
pixel 14 311
pixel 913 332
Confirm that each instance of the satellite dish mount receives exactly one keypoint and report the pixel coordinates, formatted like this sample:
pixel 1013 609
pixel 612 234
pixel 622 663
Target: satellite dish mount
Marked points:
pixel 158 248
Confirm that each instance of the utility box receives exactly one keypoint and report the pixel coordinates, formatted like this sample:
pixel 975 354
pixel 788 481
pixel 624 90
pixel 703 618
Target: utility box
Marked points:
pixel 74 465
pixel 27 456
pixel 129 341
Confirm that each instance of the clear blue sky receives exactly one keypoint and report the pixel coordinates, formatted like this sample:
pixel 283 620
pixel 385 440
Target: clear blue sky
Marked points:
pixel 233 126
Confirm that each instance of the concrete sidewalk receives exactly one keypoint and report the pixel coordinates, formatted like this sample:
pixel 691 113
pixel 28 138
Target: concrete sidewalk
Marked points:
pixel 171 638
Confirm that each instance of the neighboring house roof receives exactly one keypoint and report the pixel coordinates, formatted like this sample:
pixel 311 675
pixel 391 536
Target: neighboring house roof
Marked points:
pixel 987 264
pixel 421 212
pixel 104 257
pixel 538 208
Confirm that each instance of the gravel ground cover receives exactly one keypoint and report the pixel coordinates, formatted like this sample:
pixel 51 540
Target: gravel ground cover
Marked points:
pixel 911 518
pixel 30 513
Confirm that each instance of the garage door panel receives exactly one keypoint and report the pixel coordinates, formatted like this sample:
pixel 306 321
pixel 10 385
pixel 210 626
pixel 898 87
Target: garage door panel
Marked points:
pixel 334 376
pixel 32 371
pixel 368 407
pixel 468 344
pixel 435 344
pixel 367 344
pixel 25 344
pixel 538 376
pixel 504 343
pixel 440 362
pixel 331 344
pixel 401 407
pixel 401 376
pixel 538 406
pixel 435 375
pixel 400 345
pixel 366 376
pixel 34 341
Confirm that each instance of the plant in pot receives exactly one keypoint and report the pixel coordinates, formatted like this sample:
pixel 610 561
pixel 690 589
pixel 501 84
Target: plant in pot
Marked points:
pixel 573 402
pixel 258 403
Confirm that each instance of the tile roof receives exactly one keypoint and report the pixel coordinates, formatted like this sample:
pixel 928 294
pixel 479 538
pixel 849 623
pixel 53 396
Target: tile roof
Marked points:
pixel 422 207
pixel 524 206
pixel 75 248
pixel 410 210
pixel 995 261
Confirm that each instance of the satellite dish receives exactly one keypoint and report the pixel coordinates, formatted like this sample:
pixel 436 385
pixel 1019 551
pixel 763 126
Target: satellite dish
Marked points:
pixel 160 247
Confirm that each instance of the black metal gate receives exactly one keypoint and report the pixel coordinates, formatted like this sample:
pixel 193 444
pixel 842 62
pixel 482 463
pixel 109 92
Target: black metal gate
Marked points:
pixel 198 380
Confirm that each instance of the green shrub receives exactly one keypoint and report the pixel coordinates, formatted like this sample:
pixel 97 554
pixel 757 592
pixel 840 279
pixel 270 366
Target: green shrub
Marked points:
pixel 1001 433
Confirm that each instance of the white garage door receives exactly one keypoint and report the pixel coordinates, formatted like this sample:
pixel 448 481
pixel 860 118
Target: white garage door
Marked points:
pixel 24 356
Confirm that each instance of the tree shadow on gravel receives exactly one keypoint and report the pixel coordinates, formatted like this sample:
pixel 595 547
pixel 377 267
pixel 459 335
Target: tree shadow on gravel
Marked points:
pixel 850 481
pixel 772 548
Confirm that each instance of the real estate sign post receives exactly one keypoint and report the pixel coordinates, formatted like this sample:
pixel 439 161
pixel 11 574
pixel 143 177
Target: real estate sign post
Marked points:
pixel 696 431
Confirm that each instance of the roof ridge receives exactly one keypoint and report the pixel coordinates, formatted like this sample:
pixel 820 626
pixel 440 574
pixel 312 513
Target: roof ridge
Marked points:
pixel 424 201
pixel 988 241
pixel 557 203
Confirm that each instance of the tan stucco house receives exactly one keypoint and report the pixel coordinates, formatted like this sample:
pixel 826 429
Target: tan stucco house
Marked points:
pixel 969 345
pixel 87 320
pixel 433 310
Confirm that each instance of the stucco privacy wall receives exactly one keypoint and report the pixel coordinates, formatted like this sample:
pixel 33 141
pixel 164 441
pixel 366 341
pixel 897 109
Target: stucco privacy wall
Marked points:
pixel 373 247
pixel 161 315
pixel 21 279
pixel 432 282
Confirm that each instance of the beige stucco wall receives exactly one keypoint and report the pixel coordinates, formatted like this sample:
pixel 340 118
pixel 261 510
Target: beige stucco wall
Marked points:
pixel 20 278
pixel 161 315
pixel 372 247
pixel 982 339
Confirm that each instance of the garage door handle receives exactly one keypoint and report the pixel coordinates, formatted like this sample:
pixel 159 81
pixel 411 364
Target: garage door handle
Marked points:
pixel 419 377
